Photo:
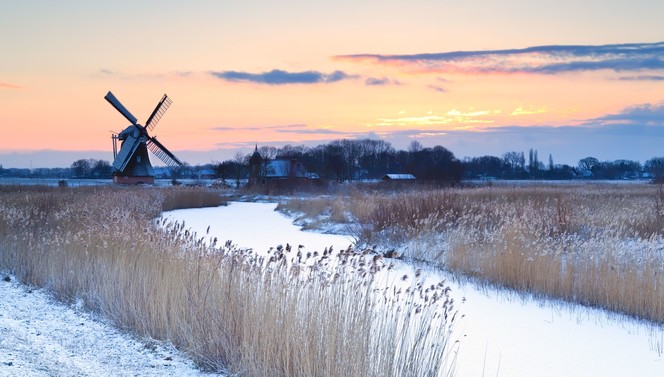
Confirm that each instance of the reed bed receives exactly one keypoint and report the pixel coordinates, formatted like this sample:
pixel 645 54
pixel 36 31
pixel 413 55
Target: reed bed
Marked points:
pixel 231 310
pixel 595 244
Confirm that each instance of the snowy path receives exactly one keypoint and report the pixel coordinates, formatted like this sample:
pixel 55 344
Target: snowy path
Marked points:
pixel 41 337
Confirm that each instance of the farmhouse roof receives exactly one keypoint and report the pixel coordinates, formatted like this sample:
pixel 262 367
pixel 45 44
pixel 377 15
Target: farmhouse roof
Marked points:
pixel 285 169
pixel 400 177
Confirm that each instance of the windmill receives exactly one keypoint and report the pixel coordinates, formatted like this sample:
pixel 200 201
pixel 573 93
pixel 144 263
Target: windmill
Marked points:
pixel 131 162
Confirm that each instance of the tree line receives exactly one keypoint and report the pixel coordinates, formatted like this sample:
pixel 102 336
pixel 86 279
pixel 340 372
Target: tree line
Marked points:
pixel 351 160
pixel 513 165
pixel 366 159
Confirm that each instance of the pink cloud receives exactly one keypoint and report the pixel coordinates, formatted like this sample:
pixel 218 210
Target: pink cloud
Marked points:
pixel 6 85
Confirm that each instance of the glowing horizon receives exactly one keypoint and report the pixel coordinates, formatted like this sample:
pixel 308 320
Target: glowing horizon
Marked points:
pixel 298 72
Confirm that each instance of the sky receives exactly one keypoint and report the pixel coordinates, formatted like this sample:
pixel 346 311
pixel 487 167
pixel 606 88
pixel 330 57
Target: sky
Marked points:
pixel 567 78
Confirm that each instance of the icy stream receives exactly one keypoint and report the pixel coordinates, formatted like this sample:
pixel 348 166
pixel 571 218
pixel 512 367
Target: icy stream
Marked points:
pixel 501 334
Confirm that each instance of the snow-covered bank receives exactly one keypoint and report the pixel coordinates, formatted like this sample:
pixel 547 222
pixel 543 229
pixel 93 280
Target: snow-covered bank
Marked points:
pixel 41 337
pixel 500 335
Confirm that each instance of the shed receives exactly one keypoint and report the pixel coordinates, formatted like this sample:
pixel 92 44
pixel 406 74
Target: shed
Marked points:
pixel 398 177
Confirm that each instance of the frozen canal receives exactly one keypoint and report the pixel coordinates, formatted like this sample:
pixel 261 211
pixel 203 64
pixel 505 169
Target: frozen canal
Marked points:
pixel 500 334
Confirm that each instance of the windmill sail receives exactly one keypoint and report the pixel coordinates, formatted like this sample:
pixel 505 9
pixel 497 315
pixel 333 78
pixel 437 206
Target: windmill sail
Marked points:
pixel 126 152
pixel 164 154
pixel 158 112
pixel 118 106
pixel 132 163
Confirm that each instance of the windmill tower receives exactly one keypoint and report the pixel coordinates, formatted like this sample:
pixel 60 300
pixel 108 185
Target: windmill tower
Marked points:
pixel 132 163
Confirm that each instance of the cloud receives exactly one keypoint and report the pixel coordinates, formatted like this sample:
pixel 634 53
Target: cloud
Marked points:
pixel 313 131
pixel 456 118
pixel 6 85
pixel 375 81
pixel 260 128
pixel 437 88
pixel 651 115
pixel 567 144
pixel 106 73
pixel 280 77
pixel 551 59
pixel 635 133
pixel 301 129
pixel 642 78
pixel 521 111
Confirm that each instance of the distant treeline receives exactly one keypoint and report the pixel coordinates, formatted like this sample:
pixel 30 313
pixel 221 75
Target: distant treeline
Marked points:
pixel 353 160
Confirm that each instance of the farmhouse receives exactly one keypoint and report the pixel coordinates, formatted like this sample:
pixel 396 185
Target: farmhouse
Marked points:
pixel 281 169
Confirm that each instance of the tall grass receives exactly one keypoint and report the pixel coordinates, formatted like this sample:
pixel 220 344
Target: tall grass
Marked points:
pixel 596 244
pixel 228 308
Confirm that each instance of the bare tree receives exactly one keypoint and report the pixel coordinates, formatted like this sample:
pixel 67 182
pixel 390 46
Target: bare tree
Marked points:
pixel 415 146
pixel 240 160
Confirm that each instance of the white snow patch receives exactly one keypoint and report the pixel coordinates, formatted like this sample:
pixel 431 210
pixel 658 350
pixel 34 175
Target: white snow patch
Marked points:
pixel 254 225
pixel 42 337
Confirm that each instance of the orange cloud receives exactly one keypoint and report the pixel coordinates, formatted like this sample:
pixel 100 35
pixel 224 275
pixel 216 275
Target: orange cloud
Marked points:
pixel 6 85
pixel 521 111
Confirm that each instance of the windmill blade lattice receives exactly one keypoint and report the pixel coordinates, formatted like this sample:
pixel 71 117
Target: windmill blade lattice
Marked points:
pixel 158 112
pixel 164 154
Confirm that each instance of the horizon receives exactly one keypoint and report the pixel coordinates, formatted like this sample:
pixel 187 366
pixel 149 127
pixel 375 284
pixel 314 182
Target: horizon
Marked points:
pixel 64 159
pixel 567 79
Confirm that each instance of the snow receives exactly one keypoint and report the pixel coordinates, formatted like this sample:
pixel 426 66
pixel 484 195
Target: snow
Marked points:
pixel 41 337
pixel 254 225
pixel 501 333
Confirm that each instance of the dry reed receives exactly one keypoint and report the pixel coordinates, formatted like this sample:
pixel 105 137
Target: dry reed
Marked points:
pixel 228 308
pixel 592 243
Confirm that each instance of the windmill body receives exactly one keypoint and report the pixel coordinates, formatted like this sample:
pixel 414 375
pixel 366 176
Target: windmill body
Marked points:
pixel 131 163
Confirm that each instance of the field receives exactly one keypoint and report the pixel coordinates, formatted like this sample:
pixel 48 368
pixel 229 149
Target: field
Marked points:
pixel 285 312
pixel 227 308
pixel 596 244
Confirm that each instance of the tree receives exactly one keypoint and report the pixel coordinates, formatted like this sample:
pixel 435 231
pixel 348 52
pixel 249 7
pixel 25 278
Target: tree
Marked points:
pixel 335 162
pixel 415 146
pixel 586 165
pixel 436 163
pixel 533 161
pixel 515 164
pixel 267 152
pixel 530 160
pixel 512 160
pixel 238 167
pixel 101 169
pixel 81 168
pixel 485 166
pixel 655 166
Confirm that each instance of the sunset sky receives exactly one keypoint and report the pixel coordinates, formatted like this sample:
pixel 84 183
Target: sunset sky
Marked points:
pixel 568 78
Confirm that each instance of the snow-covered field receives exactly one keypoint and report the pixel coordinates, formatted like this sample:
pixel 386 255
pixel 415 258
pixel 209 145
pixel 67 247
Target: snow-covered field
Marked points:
pixel 501 333
pixel 41 337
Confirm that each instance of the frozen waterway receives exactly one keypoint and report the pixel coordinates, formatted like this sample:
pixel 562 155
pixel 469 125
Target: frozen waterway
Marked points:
pixel 500 333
